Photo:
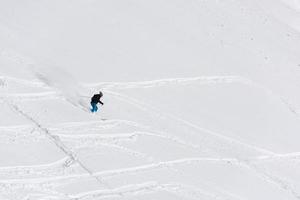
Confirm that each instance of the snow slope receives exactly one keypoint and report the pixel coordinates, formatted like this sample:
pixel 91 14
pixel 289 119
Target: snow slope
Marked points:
pixel 201 100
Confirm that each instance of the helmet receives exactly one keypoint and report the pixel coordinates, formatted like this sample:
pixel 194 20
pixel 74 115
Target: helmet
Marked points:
pixel 101 94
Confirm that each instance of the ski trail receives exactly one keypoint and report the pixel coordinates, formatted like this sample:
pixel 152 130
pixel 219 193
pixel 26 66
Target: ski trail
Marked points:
pixel 23 82
pixel 51 76
pixel 89 139
pixel 227 140
pixel 144 168
pixel 105 131
pixel 60 80
pixel 53 182
pixel 157 112
pixel 180 190
pixel 63 130
pixel 281 182
pixel 133 170
pixel 125 190
pixel 111 123
pixel 193 80
pixel 10 190
pixel 279 157
pixel 45 82
pixel 267 176
pixel 60 167
pixel 118 122
pixel 134 190
pixel 191 192
pixel 33 96
pixel 130 170
pixel 41 184
pixel 94 140
pixel 130 137
pixel 68 89
pixel 126 150
pixel 56 140
pixel 77 126
pixel 163 82
pixel 85 126
pixel 91 143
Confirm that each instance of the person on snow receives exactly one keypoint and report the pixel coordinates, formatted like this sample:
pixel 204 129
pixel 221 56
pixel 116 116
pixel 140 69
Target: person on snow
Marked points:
pixel 95 100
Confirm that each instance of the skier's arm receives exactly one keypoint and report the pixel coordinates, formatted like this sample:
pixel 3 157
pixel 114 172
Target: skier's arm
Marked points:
pixel 101 102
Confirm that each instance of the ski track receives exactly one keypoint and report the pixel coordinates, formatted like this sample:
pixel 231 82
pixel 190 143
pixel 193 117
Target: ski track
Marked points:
pixel 180 190
pixel 57 142
pixel 61 167
pixel 130 170
pixel 164 82
pixel 33 96
pixel 90 139
pixel 93 139
pixel 208 133
pixel 53 182
pixel 26 61
pixel 194 80
pixel 270 178
pixel 73 126
pixel 25 133
pixel 49 184
pixel 188 191
pixel 57 180
pixel 279 182
pixel 80 126
pixel 155 83
pixel 23 82
pixel 215 137
pixel 165 164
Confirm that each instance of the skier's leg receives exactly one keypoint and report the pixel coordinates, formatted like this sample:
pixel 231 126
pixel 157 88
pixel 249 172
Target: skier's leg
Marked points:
pixel 93 109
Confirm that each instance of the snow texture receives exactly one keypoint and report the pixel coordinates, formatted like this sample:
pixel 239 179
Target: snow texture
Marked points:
pixel 200 100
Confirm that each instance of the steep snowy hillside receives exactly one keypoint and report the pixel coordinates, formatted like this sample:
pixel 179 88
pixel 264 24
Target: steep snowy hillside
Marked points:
pixel 200 100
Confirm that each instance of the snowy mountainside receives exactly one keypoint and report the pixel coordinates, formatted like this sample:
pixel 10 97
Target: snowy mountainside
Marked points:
pixel 200 100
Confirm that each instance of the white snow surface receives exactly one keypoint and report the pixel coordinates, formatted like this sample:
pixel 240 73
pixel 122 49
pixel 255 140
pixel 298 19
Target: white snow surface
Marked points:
pixel 201 99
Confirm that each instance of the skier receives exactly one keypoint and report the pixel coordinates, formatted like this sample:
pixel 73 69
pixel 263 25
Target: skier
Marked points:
pixel 95 100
